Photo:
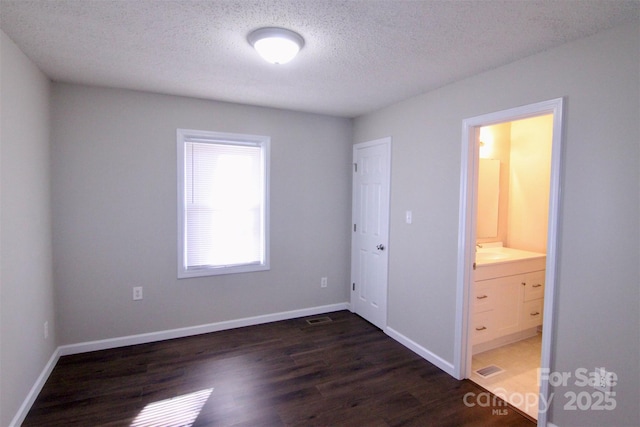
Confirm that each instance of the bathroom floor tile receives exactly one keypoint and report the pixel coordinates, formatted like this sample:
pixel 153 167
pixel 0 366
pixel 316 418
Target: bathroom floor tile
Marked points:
pixel 519 382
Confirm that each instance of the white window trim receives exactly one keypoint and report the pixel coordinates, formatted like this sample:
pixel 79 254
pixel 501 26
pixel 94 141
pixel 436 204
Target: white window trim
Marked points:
pixel 188 135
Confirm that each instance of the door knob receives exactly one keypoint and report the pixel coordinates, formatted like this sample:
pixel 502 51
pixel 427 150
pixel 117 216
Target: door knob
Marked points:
pixel 380 247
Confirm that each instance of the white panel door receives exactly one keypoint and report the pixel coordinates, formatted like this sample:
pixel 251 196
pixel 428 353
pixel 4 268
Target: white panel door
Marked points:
pixel 369 251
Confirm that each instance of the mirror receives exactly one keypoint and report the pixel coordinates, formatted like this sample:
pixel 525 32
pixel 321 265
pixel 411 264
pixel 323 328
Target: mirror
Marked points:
pixel 488 196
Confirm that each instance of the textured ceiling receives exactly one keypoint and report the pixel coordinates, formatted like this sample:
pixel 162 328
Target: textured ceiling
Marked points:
pixel 358 55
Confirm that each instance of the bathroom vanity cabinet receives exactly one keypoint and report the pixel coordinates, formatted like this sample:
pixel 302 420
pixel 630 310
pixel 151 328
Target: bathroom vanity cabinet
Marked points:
pixel 507 300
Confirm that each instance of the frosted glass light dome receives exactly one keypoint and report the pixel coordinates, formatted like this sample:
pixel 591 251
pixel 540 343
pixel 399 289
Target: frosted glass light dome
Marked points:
pixel 276 45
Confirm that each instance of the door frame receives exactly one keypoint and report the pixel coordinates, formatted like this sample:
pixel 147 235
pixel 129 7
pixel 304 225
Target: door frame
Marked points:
pixel 467 232
pixel 386 142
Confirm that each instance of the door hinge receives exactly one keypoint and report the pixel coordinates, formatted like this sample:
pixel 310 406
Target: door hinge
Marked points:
pixel 354 228
pixel 353 286
pixel 355 167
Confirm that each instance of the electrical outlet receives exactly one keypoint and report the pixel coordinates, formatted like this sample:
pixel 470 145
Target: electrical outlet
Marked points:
pixel 323 282
pixel 46 329
pixel 604 380
pixel 137 293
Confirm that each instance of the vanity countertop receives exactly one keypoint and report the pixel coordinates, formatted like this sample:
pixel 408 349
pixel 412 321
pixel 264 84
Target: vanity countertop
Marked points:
pixel 491 255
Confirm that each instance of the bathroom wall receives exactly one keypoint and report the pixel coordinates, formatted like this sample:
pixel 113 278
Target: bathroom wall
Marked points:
pixel 524 150
pixel 529 179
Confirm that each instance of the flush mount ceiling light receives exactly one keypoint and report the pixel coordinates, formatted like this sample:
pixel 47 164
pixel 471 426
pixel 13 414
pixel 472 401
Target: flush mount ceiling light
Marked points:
pixel 276 45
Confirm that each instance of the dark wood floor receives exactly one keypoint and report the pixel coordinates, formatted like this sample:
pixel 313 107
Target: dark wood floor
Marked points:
pixel 289 373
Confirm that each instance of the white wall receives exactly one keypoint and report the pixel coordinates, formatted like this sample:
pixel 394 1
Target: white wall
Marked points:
pixel 114 213
pixel 26 285
pixel 597 321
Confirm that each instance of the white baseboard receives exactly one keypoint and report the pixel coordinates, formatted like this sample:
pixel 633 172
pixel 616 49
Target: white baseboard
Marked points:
pixel 18 419
pixel 421 351
pixel 196 330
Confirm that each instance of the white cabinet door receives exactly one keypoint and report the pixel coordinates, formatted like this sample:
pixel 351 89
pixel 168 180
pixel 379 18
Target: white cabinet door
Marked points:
pixel 508 303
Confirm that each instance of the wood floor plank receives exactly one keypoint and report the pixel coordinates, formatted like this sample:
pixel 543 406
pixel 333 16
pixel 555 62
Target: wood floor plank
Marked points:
pixel 345 372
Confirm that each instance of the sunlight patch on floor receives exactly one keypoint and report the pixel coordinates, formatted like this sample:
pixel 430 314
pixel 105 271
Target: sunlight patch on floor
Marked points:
pixel 180 411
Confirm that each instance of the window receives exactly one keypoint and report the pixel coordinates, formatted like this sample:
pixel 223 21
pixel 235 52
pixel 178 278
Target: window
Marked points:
pixel 223 186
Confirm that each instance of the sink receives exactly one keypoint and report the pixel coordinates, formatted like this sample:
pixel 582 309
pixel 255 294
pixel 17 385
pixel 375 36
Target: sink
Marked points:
pixel 490 256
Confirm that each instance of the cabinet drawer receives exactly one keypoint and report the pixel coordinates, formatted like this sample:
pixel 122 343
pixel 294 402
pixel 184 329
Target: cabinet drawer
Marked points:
pixel 483 328
pixel 531 315
pixel 483 297
pixel 533 285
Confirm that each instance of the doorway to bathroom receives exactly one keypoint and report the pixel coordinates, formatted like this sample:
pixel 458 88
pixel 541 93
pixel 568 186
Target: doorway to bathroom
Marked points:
pixel 507 251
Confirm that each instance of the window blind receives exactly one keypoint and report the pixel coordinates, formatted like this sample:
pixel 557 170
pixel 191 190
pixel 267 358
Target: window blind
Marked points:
pixel 224 204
